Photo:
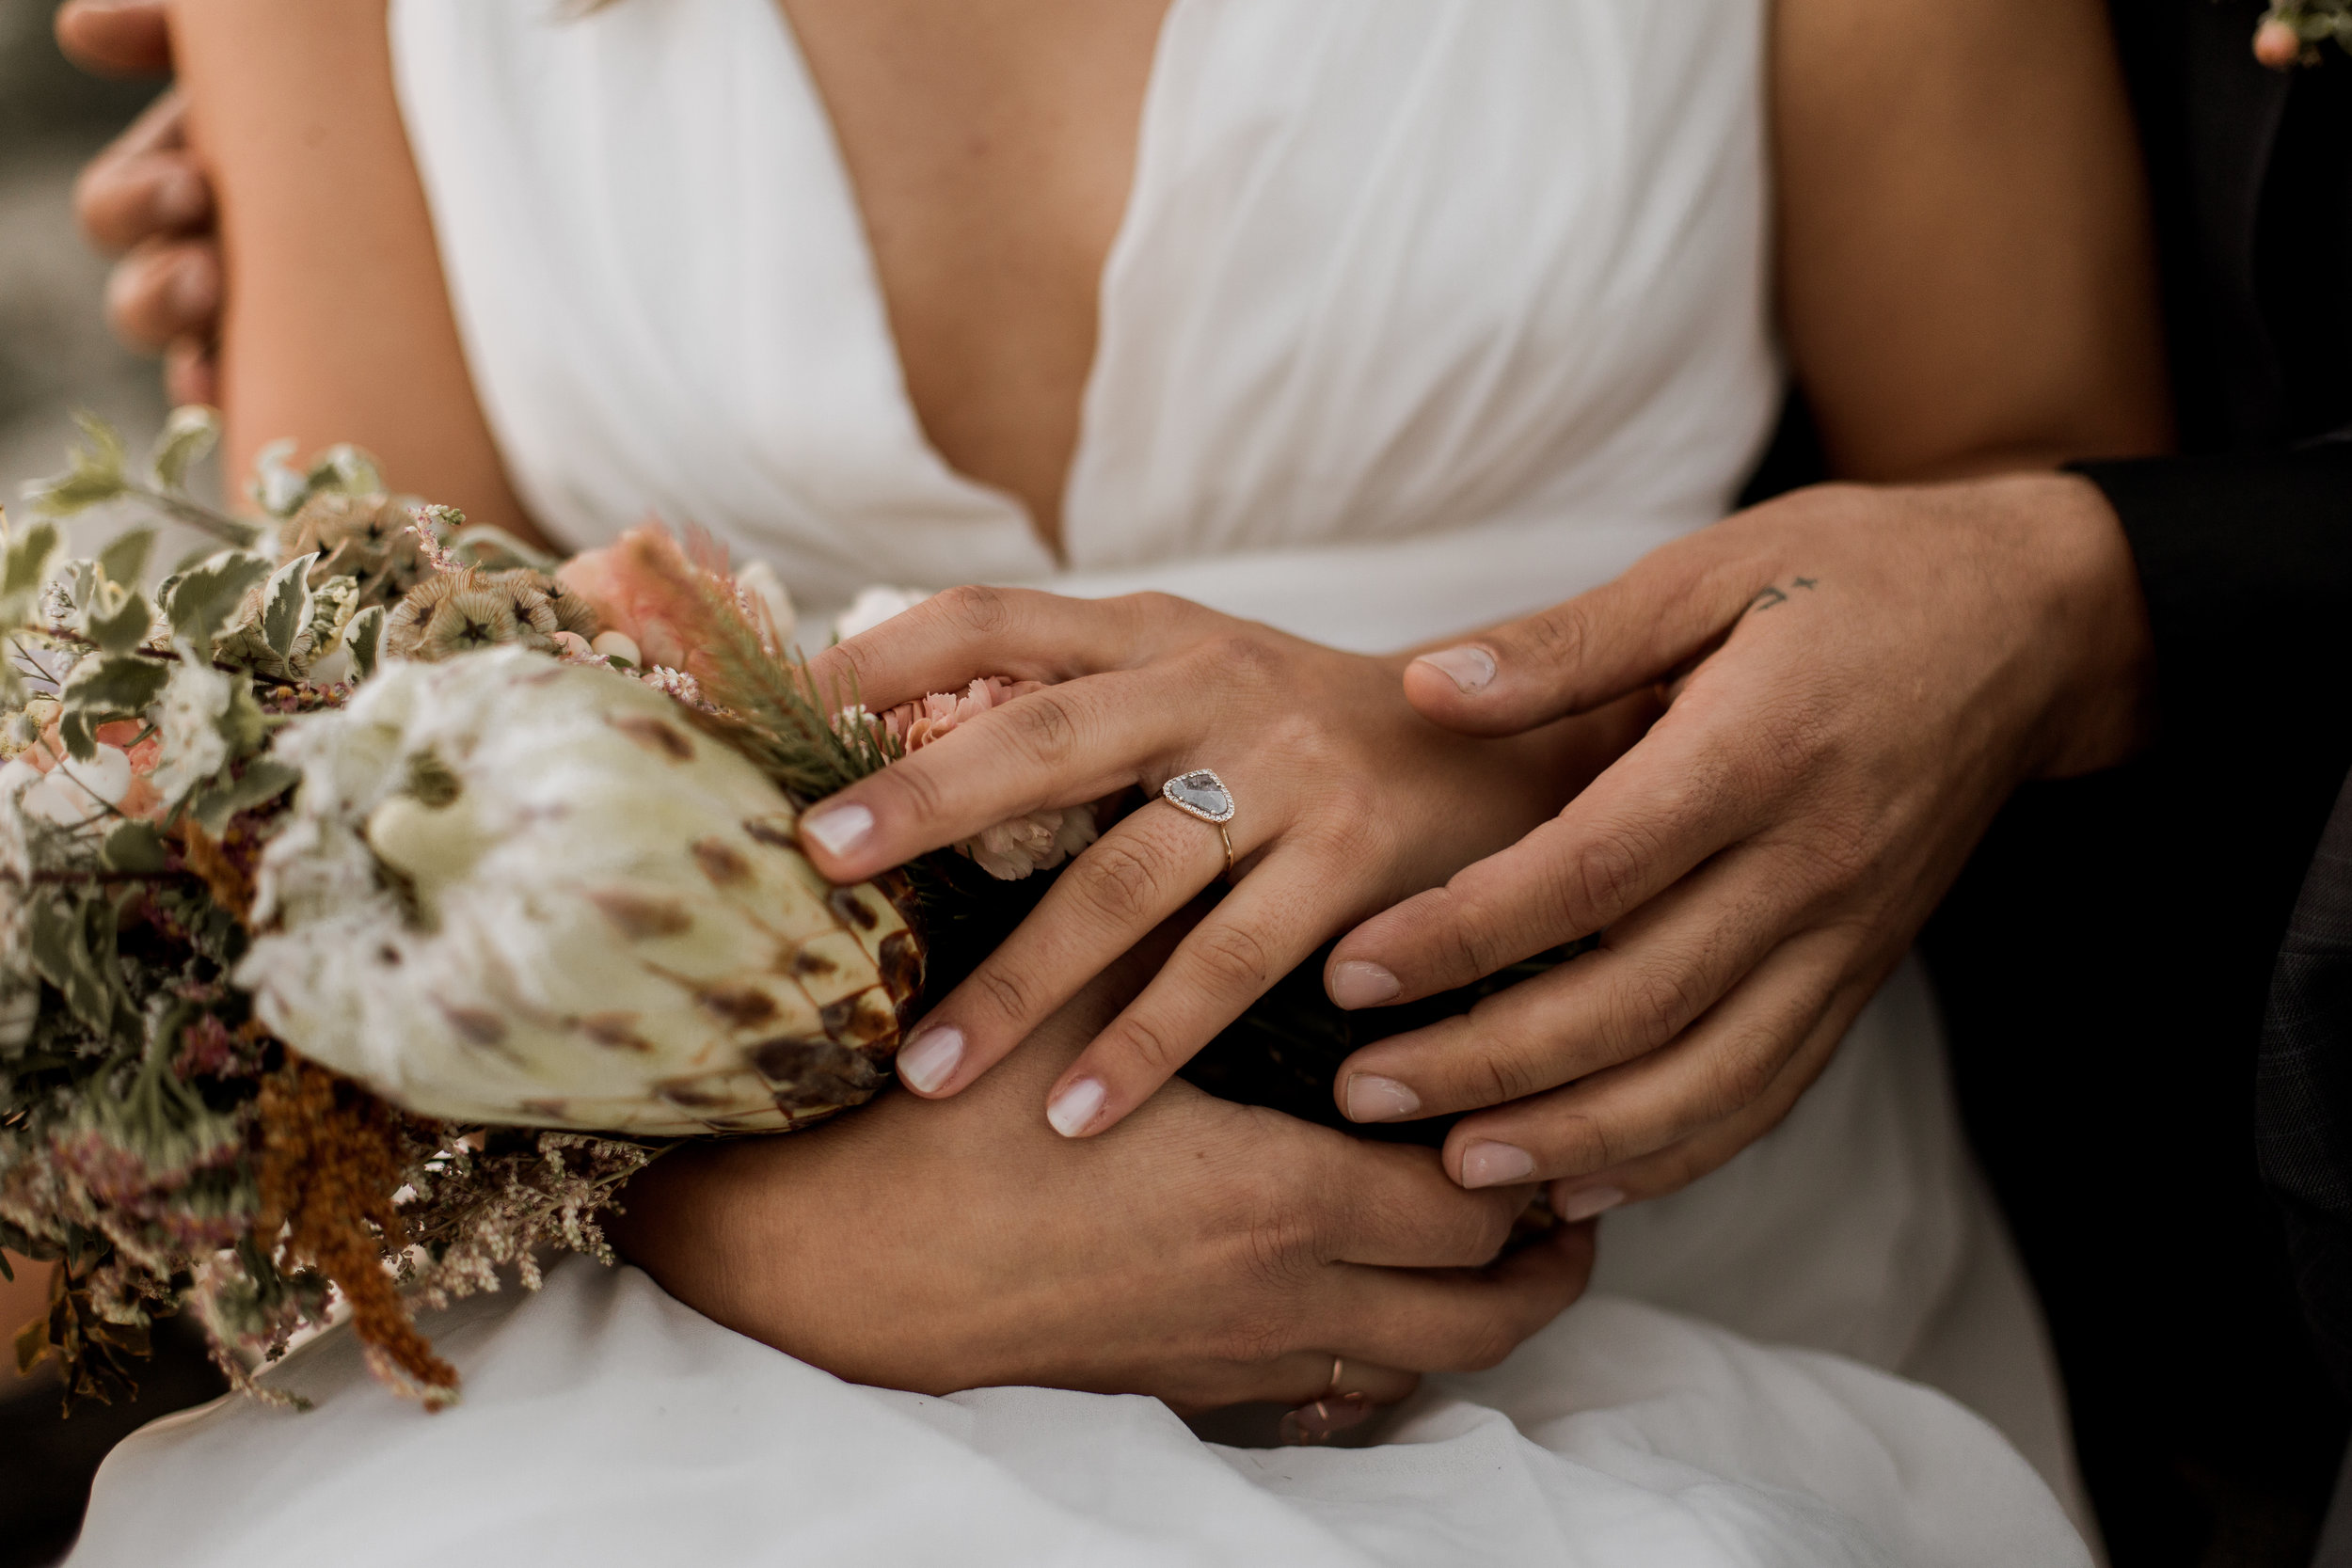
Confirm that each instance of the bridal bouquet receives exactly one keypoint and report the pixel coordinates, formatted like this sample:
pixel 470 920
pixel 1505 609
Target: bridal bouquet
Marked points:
pixel 377 896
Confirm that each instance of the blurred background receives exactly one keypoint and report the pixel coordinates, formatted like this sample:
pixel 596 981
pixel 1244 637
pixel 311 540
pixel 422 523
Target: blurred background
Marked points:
pixel 55 353
pixel 57 357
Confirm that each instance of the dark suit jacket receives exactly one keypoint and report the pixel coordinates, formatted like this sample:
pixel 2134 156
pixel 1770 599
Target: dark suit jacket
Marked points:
pixel 2106 960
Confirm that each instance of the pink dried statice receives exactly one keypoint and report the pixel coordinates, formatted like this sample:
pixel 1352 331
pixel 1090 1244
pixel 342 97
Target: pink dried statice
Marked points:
pixel 1034 841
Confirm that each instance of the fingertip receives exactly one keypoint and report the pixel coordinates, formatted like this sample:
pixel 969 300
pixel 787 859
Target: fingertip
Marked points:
pixel 116 38
pixel 928 1063
pixel 191 373
pixel 1077 1108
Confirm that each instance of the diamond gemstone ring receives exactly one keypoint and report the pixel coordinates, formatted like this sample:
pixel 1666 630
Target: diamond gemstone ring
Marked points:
pixel 1201 793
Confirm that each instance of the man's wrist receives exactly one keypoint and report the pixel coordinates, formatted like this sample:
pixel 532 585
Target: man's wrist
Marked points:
pixel 2103 712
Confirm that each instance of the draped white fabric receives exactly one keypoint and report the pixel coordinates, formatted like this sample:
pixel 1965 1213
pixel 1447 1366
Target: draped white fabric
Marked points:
pixel 1422 312
pixel 604 1423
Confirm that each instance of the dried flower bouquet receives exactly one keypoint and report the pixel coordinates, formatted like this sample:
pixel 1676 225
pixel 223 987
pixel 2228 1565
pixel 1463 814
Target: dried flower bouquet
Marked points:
pixel 378 897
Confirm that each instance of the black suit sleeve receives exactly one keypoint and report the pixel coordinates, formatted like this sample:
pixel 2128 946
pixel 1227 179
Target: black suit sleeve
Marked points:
pixel 2246 563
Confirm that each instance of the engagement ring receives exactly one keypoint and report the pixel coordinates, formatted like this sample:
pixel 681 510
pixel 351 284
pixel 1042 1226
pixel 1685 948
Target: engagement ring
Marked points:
pixel 1201 793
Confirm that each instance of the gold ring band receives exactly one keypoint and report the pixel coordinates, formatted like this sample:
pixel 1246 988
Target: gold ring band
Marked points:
pixel 1333 1392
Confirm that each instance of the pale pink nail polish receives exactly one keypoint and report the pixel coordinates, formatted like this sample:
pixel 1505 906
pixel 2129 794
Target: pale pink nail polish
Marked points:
pixel 929 1059
pixel 1372 1097
pixel 1359 983
pixel 1471 669
pixel 1584 1205
pixel 838 829
pixel 1074 1109
pixel 1496 1165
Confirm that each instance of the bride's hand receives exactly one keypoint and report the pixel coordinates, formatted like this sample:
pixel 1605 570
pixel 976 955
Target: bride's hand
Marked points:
pixel 1208 1254
pixel 1346 802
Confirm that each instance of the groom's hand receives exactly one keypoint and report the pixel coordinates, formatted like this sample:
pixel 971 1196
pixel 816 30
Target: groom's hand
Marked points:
pixel 147 198
pixel 1858 678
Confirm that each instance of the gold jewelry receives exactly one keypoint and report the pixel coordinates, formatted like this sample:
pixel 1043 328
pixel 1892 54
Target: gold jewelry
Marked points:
pixel 1333 1392
pixel 1201 793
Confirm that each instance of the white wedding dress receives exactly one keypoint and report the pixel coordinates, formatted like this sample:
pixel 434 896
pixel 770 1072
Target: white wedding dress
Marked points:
pixel 1422 314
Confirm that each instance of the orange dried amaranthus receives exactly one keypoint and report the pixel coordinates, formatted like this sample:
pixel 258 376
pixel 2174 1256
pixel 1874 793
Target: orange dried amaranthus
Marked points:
pixel 331 1159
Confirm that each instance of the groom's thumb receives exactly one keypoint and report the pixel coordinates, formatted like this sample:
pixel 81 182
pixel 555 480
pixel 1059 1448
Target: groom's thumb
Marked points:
pixel 1666 611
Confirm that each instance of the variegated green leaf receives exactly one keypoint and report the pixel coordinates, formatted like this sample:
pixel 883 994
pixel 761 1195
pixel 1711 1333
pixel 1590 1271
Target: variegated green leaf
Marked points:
pixel 366 636
pixel 124 562
pixel 264 778
pixel 192 430
pixel 96 474
pixel 113 685
pixel 134 846
pixel 286 604
pixel 62 953
pixel 118 622
pixel 205 599
pixel 28 560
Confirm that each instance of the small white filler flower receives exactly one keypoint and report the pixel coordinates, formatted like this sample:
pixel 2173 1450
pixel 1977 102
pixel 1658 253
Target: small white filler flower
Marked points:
pixel 513 891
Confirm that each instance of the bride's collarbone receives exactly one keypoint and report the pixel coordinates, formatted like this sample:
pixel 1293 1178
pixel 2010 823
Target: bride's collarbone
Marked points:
pixel 990 146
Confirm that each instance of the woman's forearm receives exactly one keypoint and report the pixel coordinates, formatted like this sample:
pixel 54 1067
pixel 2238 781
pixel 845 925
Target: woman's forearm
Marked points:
pixel 338 326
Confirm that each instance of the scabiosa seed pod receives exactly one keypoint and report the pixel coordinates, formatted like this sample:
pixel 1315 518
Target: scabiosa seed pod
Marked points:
pixel 516 891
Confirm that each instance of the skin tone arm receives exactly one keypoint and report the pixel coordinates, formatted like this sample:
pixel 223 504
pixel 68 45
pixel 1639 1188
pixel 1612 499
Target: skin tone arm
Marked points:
pixel 1967 289
pixel 1876 669
pixel 336 325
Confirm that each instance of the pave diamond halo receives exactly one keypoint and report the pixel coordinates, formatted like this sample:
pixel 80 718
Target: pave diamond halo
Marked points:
pixel 1199 793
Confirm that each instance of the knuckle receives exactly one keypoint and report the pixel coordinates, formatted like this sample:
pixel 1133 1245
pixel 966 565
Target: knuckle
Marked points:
pixel 1510 1073
pixel 1117 881
pixel 1604 878
pixel 1002 991
pixel 1044 727
pixel 1652 1008
pixel 1739 1075
pixel 1234 958
pixel 1560 635
pixel 1141 1042
pixel 1248 656
pixel 920 794
pixel 982 611
pixel 1579 1143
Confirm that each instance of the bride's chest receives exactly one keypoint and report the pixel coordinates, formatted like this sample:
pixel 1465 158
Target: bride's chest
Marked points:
pixel 1358 269
pixel 989 145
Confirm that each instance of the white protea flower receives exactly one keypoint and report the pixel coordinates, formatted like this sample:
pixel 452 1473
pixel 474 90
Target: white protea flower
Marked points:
pixel 514 891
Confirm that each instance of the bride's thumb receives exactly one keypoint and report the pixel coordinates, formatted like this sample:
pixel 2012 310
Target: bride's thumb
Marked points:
pixel 1582 653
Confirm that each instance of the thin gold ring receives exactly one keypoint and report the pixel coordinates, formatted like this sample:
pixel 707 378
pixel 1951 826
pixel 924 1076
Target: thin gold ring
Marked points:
pixel 1333 1392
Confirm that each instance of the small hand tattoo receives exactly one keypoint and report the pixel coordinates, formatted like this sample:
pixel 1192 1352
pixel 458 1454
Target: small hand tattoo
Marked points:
pixel 1772 594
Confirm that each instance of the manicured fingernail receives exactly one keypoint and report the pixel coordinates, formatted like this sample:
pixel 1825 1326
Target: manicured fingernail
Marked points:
pixel 1074 1109
pixel 195 289
pixel 1372 1097
pixel 1494 1165
pixel 179 197
pixel 1359 983
pixel 929 1059
pixel 838 829
pixel 1469 668
pixel 1323 1420
pixel 1584 1205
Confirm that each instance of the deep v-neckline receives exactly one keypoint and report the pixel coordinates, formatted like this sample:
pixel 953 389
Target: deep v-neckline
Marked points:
pixel 1060 552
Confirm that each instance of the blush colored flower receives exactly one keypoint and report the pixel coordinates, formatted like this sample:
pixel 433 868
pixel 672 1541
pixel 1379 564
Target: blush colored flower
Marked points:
pixel 1034 841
